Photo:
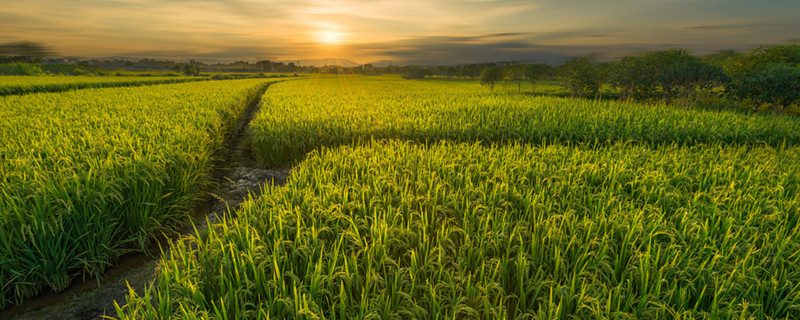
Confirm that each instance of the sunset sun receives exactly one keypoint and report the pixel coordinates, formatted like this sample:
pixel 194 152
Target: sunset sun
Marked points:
pixel 330 37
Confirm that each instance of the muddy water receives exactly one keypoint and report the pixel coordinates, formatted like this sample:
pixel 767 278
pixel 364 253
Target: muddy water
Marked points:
pixel 238 173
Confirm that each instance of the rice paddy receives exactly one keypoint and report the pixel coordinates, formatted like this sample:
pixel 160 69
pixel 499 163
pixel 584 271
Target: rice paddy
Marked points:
pixel 300 116
pixel 29 84
pixel 88 175
pixel 442 200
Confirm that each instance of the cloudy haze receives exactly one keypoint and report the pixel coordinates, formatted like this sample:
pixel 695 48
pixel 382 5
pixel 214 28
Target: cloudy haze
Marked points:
pixel 419 32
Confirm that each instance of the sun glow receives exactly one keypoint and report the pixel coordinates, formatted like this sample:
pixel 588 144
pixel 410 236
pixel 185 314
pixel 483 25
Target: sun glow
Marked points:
pixel 330 36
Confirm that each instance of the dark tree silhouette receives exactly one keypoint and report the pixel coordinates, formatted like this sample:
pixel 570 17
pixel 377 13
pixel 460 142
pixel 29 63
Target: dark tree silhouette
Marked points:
pixel 24 51
pixel 490 75
pixel 536 72
pixel 767 75
pixel 776 84
pixel 514 72
pixel 580 76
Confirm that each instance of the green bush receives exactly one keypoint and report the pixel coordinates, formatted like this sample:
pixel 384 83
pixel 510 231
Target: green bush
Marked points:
pixel 19 69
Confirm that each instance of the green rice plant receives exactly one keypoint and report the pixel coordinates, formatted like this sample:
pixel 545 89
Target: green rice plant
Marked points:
pixel 300 116
pixel 88 175
pixel 552 208
pixel 399 230
pixel 10 85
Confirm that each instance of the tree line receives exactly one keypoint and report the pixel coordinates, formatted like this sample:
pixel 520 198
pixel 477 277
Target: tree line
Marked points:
pixel 769 75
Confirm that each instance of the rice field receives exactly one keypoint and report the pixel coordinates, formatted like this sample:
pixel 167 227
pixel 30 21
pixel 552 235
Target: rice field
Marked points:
pixel 301 116
pixel 29 84
pixel 441 200
pixel 465 231
pixel 407 200
pixel 88 175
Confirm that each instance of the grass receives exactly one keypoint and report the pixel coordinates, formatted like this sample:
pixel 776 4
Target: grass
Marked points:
pixel 11 85
pixel 396 230
pixel 442 200
pixel 88 175
pixel 301 116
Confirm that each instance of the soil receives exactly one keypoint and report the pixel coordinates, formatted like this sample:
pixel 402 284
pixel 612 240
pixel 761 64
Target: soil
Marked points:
pixel 237 174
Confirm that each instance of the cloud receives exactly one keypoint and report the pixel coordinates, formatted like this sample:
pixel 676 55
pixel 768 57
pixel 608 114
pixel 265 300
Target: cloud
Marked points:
pixel 596 35
pixel 446 50
pixel 212 55
pixel 453 30
pixel 731 26
pixel 458 50
pixel 705 27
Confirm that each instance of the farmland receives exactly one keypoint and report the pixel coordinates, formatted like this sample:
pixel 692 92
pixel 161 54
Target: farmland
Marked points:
pixel 443 200
pixel 91 174
pixel 300 116
pixel 10 85
pixel 426 160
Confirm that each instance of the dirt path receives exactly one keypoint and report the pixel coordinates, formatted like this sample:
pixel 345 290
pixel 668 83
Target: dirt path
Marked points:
pixel 238 172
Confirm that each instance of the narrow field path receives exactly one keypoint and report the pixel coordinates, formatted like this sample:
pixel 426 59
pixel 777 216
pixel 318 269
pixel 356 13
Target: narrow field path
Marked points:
pixel 237 173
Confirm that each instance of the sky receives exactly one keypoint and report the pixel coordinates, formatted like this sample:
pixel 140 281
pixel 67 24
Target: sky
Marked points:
pixel 402 31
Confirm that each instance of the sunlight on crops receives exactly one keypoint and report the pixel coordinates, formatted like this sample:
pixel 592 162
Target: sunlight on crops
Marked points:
pixel 30 84
pixel 300 116
pixel 89 175
pixel 441 200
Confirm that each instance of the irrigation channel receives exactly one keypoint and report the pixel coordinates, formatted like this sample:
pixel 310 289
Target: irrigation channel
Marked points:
pixel 237 173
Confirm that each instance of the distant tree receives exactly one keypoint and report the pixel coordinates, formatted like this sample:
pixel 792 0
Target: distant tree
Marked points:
pixel 535 73
pixel 514 72
pixel 191 69
pixel 264 65
pixel 681 75
pixel 634 78
pixel 579 76
pixel 776 54
pixel 690 77
pixel 366 69
pixel 724 59
pixel 415 73
pixel 601 76
pixel 663 67
pixel 490 75
pixel 452 72
pixel 278 67
pixel 776 84
pixel 24 51
pixel 766 76
pixel 667 75
pixel 470 71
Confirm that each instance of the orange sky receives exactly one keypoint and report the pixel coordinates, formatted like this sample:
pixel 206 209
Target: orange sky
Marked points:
pixel 444 31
